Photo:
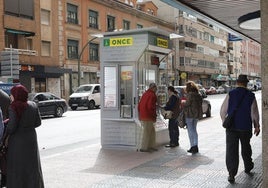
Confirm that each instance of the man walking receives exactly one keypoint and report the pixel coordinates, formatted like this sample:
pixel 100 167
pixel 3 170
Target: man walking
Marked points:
pixel 246 114
pixel 147 116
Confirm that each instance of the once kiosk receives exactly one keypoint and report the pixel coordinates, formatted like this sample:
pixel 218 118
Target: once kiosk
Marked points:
pixel 129 63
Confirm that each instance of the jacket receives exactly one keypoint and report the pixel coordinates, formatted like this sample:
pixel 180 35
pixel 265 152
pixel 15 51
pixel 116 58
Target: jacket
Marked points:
pixel 147 106
pixel 193 106
pixel 23 164
pixel 174 105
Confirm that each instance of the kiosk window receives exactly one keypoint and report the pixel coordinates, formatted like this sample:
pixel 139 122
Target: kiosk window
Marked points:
pixel 110 87
pixel 126 91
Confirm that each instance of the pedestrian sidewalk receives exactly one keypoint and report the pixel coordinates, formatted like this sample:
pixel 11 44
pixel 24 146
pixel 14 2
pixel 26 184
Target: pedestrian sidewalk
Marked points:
pixel 91 166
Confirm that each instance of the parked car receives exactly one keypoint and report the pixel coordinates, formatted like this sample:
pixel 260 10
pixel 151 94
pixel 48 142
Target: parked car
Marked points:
pixel 211 91
pixel 226 87
pixel 220 90
pixel 206 106
pixel 49 104
pixel 87 95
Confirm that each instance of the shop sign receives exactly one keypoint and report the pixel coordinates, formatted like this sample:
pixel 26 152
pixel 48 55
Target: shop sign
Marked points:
pixel 27 68
pixel 162 43
pixel 115 42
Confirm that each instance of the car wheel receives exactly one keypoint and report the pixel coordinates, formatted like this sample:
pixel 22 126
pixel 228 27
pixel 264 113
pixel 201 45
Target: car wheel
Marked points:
pixel 208 113
pixel 91 105
pixel 58 112
pixel 74 107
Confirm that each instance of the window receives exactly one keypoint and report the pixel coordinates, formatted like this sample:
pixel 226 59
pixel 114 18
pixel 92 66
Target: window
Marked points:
pixel 29 43
pixel 139 26
pixel 19 8
pixel 110 23
pixel 93 19
pixel 93 52
pixel 72 49
pixel 45 48
pixel 126 25
pixel 45 17
pixel 72 14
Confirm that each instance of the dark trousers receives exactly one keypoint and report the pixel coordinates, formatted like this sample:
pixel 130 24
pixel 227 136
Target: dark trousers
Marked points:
pixel 232 150
pixel 173 131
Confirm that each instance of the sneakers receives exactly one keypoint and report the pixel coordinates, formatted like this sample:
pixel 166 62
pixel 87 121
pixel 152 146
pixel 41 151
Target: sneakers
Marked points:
pixel 172 145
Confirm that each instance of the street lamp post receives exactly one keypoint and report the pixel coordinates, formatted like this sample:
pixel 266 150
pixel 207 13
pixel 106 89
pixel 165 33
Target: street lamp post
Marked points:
pixel 80 54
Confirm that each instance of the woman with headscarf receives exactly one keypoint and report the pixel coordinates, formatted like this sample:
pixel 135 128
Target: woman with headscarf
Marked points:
pixel 23 160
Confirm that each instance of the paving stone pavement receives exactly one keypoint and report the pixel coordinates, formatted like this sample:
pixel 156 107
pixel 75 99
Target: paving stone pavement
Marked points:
pixel 89 165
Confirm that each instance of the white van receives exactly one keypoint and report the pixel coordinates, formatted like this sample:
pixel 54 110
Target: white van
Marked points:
pixel 87 95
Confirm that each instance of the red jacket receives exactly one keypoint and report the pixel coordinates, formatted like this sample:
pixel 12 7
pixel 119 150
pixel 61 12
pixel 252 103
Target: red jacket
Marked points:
pixel 147 106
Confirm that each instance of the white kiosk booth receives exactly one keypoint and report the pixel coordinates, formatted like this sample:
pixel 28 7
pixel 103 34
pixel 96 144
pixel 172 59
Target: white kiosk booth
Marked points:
pixel 129 63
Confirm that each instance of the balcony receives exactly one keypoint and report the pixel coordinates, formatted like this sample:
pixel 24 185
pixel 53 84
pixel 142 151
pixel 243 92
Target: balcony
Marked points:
pixel 23 51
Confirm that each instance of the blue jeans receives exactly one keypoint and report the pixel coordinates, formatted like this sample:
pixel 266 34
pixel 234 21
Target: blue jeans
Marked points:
pixel 192 133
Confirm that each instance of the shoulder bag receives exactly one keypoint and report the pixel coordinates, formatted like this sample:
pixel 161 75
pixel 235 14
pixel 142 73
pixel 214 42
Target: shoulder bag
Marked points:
pixel 229 119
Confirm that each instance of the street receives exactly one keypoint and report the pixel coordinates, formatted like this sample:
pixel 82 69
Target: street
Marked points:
pixel 75 128
pixel 82 127
pixel 71 155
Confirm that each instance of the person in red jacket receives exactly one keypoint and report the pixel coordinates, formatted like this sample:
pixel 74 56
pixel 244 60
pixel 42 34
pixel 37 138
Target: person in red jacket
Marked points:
pixel 147 116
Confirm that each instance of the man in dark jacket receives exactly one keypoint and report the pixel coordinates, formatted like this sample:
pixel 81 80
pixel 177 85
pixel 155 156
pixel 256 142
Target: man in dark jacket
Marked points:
pixel 246 114
pixel 147 116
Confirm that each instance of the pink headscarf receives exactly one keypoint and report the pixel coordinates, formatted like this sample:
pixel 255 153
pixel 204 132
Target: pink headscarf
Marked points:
pixel 20 94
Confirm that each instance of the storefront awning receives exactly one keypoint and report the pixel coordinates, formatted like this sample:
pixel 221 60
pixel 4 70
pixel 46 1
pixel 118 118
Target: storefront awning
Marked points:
pixel 18 32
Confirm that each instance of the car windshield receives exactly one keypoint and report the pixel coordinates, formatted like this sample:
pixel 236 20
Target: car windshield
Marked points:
pixel 83 89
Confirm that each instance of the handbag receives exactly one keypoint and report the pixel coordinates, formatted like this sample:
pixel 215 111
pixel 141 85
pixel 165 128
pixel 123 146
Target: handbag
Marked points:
pixel 167 114
pixel 229 119
pixel 181 120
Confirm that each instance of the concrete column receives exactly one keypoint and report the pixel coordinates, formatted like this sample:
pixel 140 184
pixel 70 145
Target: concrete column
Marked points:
pixel 264 76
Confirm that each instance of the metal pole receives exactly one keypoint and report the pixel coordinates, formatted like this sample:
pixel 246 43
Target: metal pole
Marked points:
pixel 79 57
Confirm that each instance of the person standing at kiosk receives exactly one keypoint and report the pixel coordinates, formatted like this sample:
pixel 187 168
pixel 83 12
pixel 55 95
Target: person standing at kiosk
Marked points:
pixel 173 105
pixel 147 116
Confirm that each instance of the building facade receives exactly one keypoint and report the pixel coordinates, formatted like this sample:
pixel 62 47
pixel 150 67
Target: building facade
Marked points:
pixel 50 36
pixel 207 54
pixel 57 39
pixel 27 29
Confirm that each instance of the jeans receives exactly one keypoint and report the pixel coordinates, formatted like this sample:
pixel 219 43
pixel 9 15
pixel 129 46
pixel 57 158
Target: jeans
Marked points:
pixel 192 133
pixel 232 150
pixel 173 131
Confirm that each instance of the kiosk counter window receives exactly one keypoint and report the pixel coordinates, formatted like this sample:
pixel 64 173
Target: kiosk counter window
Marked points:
pixel 110 100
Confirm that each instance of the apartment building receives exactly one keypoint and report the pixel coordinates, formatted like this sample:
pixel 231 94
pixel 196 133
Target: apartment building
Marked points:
pixel 201 53
pixel 29 29
pixel 56 39
pixel 251 59
pixel 85 19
